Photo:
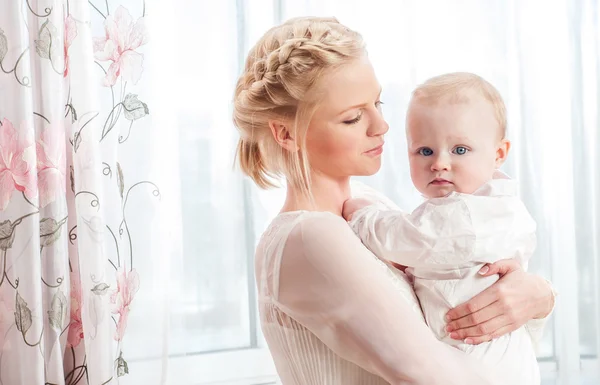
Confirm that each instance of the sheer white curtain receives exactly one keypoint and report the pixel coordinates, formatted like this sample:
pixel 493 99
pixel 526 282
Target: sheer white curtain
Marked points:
pixel 210 332
pixel 542 56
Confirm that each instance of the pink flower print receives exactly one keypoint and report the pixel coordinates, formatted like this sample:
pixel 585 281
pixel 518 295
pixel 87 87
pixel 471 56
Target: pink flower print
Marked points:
pixel 76 326
pixel 51 164
pixel 122 38
pixel 127 285
pixel 70 35
pixel 17 163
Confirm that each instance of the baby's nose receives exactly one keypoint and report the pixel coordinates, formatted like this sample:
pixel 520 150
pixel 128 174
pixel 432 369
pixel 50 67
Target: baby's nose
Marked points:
pixel 440 164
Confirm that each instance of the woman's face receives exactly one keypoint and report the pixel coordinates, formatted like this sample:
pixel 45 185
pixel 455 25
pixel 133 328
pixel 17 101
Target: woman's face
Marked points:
pixel 345 135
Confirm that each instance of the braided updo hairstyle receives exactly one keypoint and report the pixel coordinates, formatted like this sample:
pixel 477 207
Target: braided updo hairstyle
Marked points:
pixel 282 80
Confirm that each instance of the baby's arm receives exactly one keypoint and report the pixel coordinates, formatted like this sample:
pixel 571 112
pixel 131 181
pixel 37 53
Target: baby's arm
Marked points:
pixel 433 232
pixel 449 231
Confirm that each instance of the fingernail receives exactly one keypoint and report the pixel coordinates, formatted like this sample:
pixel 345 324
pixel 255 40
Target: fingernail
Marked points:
pixel 449 328
pixel 468 341
pixel 447 318
pixel 484 270
pixel 454 336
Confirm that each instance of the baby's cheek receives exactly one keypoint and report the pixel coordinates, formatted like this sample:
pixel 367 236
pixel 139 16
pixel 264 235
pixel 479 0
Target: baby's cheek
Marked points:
pixel 419 175
pixel 476 179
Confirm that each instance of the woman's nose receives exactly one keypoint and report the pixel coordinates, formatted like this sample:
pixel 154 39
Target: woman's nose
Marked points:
pixel 379 126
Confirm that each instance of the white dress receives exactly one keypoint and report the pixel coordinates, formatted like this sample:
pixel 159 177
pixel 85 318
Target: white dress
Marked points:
pixel 445 242
pixel 334 314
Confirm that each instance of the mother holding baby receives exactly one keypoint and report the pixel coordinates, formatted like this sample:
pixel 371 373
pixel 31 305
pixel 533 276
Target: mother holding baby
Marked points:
pixel 308 109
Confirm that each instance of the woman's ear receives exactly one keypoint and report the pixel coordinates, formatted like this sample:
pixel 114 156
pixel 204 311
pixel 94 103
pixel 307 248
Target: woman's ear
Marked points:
pixel 283 136
pixel 502 152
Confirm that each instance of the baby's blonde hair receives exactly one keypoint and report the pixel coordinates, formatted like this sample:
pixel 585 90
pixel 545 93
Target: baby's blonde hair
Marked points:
pixel 457 87
pixel 282 81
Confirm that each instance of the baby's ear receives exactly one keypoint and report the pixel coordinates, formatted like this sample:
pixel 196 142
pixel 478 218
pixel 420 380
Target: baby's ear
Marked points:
pixel 502 152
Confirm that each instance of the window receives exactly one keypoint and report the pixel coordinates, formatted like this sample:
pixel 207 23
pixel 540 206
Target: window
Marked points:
pixel 545 67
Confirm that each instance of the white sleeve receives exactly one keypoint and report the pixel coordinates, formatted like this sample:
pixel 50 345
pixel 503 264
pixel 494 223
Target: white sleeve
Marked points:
pixel 449 231
pixel 332 285
pixel 535 327
pixel 436 230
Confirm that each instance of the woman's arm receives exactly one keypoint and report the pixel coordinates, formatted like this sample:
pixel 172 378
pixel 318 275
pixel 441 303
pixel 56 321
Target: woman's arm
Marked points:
pixel 330 283
pixel 516 299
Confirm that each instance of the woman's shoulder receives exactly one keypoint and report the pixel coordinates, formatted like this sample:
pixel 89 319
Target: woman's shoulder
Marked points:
pixel 304 233
pixel 324 240
pixel 305 225
pixel 320 242
pixel 298 237
pixel 320 220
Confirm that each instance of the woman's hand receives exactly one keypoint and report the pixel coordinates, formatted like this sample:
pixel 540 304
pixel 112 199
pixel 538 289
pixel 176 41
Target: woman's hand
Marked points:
pixel 514 299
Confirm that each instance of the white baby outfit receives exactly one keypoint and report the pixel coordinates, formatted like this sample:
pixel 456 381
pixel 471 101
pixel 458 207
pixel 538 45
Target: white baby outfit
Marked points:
pixel 445 242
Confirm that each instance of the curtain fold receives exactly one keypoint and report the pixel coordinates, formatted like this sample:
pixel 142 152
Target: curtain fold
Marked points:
pixel 69 110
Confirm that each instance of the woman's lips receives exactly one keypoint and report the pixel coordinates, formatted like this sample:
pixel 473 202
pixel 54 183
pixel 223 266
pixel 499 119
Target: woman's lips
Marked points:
pixel 375 151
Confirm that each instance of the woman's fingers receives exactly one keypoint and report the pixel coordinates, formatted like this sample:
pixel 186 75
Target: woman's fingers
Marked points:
pixel 501 267
pixel 488 337
pixel 506 268
pixel 500 309
pixel 480 301
pixel 482 329
pixel 473 319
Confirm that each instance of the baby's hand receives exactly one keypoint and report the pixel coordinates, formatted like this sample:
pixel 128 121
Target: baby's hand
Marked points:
pixel 352 205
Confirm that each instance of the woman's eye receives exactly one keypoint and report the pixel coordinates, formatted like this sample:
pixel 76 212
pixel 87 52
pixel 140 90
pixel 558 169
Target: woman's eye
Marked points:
pixel 355 120
pixel 425 151
pixel 460 150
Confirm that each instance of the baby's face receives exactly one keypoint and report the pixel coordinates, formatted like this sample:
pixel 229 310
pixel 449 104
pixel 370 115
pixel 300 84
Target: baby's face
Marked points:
pixel 452 146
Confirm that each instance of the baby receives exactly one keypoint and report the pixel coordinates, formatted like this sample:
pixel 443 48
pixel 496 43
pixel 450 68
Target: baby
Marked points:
pixel 455 129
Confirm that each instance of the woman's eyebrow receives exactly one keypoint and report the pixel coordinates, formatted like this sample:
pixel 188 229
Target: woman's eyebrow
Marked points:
pixel 362 104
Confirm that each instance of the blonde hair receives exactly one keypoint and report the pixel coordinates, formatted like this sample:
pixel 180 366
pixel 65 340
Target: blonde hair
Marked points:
pixel 456 88
pixel 282 81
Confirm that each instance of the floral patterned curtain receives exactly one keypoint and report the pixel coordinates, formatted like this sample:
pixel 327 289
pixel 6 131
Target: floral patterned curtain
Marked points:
pixel 70 102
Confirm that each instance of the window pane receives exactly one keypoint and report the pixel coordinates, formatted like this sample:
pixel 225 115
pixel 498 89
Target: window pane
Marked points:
pixel 211 307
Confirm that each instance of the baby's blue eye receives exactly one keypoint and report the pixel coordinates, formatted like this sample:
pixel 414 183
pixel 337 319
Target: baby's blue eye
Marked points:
pixel 426 151
pixel 460 150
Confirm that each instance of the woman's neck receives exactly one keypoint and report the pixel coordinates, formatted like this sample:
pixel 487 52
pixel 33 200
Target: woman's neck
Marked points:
pixel 328 195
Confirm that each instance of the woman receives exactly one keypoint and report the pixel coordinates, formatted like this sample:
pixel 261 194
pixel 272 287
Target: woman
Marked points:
pixel 307 107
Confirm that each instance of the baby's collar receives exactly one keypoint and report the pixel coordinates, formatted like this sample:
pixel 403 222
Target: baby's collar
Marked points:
pixel 500 185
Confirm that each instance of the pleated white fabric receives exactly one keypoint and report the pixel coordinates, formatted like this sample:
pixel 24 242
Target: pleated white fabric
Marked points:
pixel 333 314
